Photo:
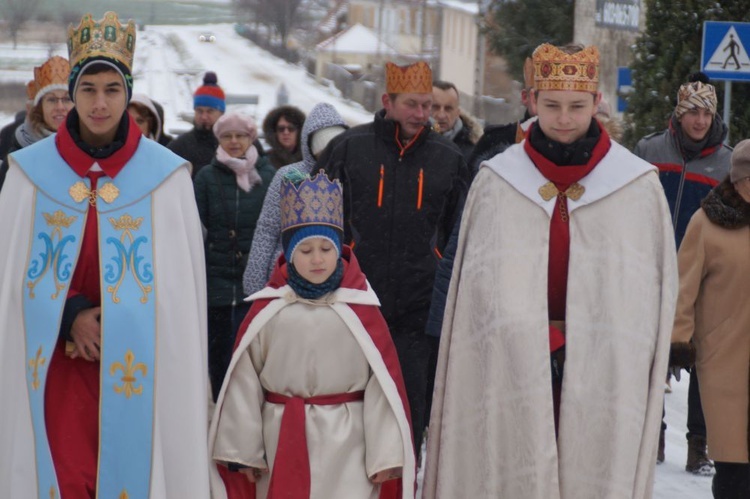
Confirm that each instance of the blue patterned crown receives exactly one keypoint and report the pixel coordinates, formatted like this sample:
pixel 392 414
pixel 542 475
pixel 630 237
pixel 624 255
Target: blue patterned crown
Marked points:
pixel 312 201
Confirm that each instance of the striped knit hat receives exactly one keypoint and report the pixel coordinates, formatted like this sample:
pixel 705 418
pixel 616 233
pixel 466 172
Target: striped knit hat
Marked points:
pixel 210 93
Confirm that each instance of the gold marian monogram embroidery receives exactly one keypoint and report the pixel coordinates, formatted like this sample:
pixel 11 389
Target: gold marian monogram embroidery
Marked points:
pixel 549 191
pixel 79 191
pixel 128 375
pixel 35 363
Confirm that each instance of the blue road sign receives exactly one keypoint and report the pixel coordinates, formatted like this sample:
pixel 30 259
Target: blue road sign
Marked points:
pixel 624 87
pixel 724 52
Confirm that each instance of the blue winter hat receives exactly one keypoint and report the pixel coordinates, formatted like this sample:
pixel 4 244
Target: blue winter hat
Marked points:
pixel 210 93
pixel 293 238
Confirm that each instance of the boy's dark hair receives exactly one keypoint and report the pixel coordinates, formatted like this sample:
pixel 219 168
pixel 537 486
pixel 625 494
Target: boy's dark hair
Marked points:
pixel 98 67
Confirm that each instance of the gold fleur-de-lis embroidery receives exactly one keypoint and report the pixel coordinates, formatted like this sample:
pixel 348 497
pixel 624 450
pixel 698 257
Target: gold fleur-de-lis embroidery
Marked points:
pixel 124 495
pixel 128 375
pixel 35 363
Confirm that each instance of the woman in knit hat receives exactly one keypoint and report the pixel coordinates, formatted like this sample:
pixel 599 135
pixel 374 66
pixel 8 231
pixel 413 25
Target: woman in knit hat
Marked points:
pixel 281 129
pixel 229 192
pixel 712 323
pixel 314 387
pixel 49 102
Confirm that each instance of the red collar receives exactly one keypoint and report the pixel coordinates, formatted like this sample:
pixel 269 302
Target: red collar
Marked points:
pixel 564 176
pixel 80 162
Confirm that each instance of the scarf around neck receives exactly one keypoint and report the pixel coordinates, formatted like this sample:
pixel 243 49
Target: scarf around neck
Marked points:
pixel 306 289
pixel 692 149
pixel 457 127
pixel 244 168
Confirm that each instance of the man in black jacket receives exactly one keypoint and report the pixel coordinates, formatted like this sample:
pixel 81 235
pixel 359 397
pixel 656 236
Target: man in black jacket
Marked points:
pixel 404 188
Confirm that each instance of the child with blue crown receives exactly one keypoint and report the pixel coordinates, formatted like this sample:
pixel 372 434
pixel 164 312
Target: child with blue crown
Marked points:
pixel 313 404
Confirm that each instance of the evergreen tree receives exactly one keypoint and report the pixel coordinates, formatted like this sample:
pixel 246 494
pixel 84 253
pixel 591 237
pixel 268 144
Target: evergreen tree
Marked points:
pixel 516 27
pixel 667 52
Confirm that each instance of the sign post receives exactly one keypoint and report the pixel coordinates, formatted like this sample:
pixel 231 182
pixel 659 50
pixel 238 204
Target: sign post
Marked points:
pixel 724 56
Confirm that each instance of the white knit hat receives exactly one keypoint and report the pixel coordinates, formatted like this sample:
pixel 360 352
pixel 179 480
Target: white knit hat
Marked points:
pixel 322 137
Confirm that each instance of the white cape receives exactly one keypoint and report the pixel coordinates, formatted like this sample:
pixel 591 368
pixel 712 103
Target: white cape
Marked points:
pixel 180 455
pixel 492 431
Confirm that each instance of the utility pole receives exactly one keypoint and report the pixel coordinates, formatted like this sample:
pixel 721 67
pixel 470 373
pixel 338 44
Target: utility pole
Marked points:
pixel 479 62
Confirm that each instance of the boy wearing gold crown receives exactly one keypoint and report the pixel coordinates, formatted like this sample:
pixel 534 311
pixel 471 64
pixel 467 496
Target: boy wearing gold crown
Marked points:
pixel 102 312
pixel 550 376
pixel 405 186
pixel 313 404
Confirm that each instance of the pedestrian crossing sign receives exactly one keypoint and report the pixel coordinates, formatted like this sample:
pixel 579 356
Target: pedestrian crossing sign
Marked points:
pixel 724 53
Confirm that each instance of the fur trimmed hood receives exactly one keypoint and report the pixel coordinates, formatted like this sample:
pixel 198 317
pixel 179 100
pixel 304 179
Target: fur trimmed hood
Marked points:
pixel 725 207
pixel 472 126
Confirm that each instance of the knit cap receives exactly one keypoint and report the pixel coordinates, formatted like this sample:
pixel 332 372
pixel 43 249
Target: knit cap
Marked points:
pixel 210 93
pixel 740 161
pixel 236 122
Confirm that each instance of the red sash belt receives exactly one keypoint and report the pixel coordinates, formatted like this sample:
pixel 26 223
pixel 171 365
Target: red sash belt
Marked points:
pixel 291 479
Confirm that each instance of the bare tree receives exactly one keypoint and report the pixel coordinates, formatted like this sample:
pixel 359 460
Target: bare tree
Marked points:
pixel 278 14
pixel 16 13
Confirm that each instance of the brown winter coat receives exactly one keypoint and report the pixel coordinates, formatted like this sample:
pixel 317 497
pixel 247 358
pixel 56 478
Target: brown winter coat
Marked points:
pixel 713 312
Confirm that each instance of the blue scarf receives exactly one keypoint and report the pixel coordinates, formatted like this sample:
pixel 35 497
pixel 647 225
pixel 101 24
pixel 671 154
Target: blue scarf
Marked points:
pixel 306 289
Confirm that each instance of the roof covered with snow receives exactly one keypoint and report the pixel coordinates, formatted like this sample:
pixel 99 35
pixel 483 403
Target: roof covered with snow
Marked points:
pixel 467 7
pixel 356 39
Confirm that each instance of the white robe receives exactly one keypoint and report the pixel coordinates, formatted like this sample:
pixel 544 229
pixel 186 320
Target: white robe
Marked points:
pixel 332 353
pixel 180 458
pixel 492 429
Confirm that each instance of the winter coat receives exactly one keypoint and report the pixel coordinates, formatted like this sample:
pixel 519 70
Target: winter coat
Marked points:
pixel 278 155
pixel 685 182
pixel 713 318
pixel 196 146
pixel 225 258
pixel 266 246
pixel 496 139
pixel 468 136
pixel 400 206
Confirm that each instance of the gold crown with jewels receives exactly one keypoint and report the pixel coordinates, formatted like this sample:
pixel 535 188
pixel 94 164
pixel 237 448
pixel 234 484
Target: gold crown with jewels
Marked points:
pixel 555 69
pixel 103 38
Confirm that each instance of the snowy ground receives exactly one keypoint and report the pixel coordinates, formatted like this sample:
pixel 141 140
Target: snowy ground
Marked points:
pixel 170 62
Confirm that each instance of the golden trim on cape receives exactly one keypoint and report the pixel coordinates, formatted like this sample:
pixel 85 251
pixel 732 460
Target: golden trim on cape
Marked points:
pixel 557 70
pixel 103 38
pixel 414 78
pixel 549 191
pixel 80 191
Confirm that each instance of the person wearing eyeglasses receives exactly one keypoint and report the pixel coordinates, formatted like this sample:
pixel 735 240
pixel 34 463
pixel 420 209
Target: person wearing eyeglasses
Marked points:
pixel 229 192
pixel 281 129
pixel 47 106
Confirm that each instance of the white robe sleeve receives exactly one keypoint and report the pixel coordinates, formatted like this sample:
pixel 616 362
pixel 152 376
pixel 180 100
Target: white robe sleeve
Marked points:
pixel 383 446
pixel 239 437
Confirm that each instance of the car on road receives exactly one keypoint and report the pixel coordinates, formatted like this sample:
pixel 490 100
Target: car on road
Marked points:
pixel 207 37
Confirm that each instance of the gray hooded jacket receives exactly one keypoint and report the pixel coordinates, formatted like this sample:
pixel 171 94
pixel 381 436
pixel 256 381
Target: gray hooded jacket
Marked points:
pixel 266 245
